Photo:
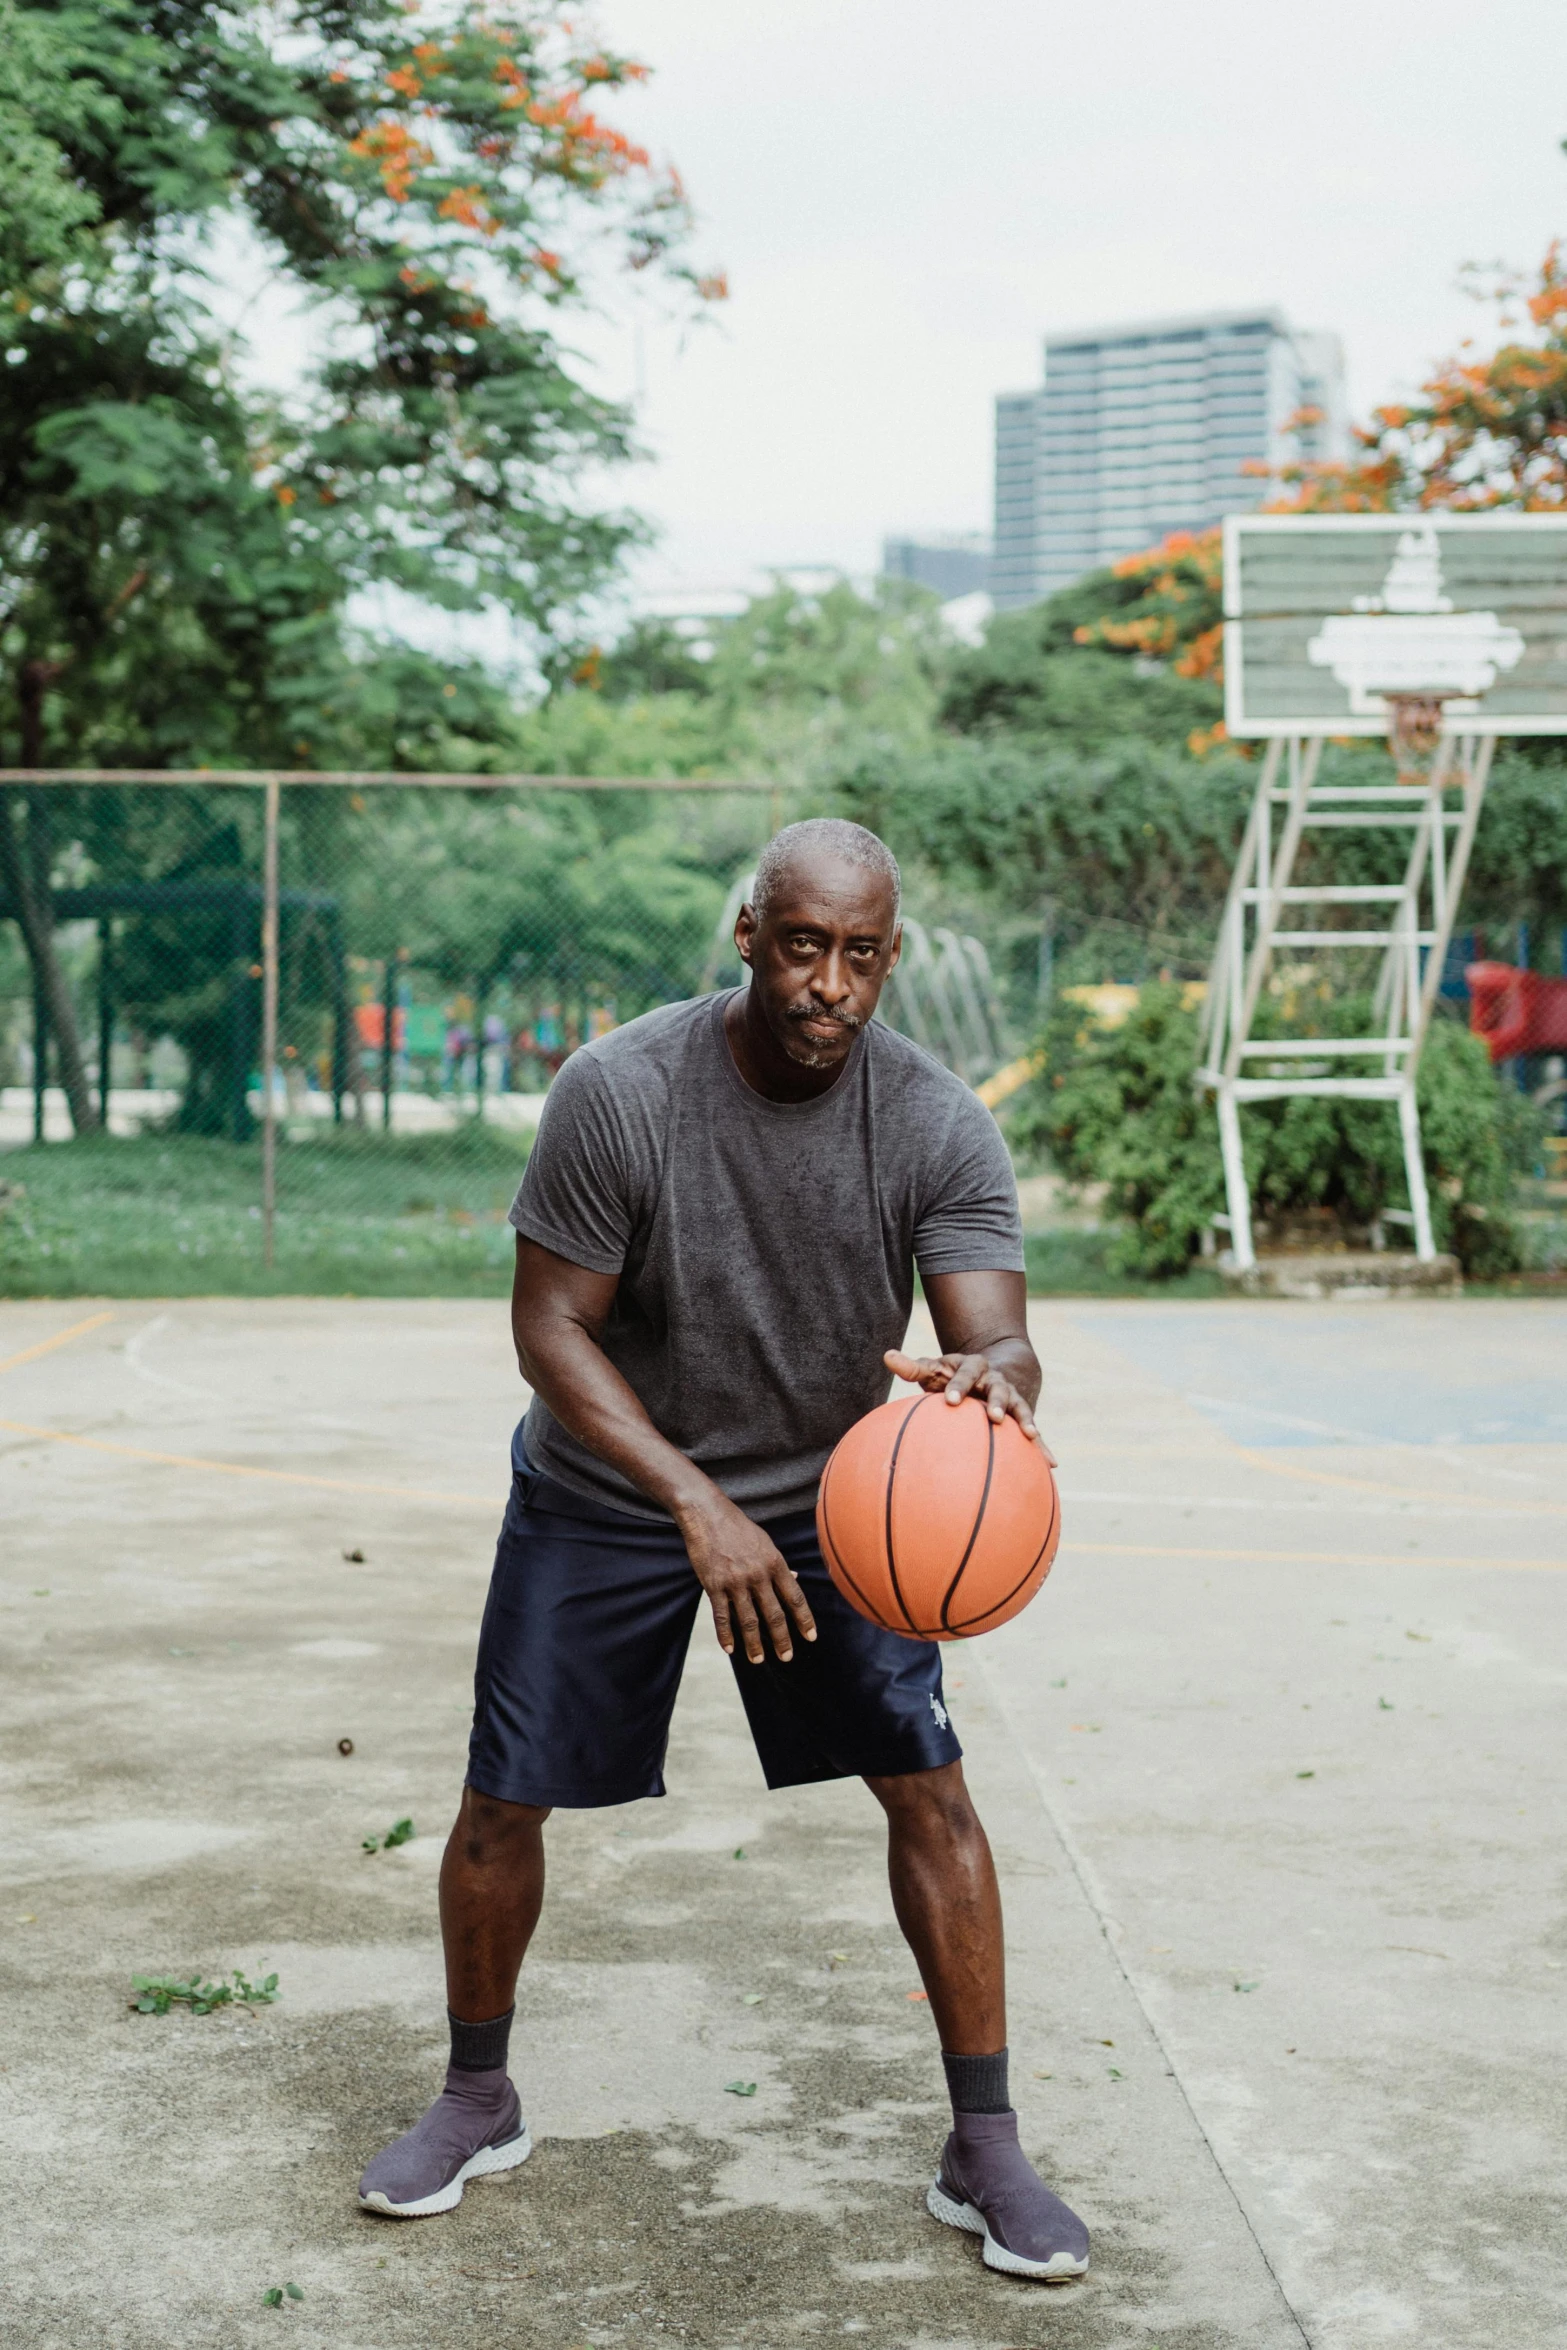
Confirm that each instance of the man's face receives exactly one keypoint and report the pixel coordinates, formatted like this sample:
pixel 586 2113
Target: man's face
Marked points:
pixel 820 957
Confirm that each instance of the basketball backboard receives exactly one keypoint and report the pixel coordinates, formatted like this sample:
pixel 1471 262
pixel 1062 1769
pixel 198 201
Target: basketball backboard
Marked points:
pixel 1327 616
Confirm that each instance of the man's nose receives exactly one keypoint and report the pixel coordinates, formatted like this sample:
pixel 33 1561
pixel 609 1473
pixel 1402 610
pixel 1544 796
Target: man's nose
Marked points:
pixel 830 983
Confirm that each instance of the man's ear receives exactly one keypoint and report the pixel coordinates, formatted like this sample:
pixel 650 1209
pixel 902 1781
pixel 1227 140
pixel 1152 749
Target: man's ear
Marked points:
pixel 745 932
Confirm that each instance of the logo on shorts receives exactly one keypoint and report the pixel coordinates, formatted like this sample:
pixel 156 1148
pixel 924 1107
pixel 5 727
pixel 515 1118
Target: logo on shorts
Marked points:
pixel 940 1712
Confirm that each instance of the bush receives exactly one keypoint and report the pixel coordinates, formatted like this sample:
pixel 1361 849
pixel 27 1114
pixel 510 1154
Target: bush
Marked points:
pixel 1118 1106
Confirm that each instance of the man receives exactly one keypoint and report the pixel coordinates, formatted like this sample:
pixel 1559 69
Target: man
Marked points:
pixel 717 1236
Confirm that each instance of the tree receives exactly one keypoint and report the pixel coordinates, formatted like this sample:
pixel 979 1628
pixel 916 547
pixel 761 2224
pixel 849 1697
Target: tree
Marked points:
pixel 435 180
pixel 1482 433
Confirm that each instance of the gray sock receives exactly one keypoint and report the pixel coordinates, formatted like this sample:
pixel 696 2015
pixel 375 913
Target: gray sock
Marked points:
pixel 480 2048
pixel 977 2084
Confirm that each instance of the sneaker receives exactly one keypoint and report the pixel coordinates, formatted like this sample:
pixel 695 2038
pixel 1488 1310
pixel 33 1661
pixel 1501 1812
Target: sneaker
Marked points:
pixel 474 2128
pixel 987 2185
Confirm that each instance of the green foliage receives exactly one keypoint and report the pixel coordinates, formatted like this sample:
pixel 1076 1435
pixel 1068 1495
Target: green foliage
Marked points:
pixel 419 1215
pixel 400 1832
pixel 157 1994
pixel 1118 1106
pixel 1128 832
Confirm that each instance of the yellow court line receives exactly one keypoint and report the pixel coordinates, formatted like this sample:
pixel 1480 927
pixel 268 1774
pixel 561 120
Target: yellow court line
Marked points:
pixel 1517 1509
pixel 183 1460
pixel 489 1501
pixel 46 1346
pixel 1308 1558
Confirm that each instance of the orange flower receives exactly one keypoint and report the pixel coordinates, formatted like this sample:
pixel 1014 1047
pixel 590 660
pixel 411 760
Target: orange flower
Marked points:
pixel 406 81
pixel 396 152
pixel 286 496
pixel 467 206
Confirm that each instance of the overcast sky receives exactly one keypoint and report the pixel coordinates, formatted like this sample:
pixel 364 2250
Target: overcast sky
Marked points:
pixel 906 196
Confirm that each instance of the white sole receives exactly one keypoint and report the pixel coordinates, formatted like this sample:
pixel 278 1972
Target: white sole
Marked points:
pixel 482 2165
pixel 1059 2269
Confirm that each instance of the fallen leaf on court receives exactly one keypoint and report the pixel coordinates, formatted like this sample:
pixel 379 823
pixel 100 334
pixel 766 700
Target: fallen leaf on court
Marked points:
pixel 1116 2073
pixel 1107 2043
pixel 272 2298
pixel 294 2293
pixel 838 1957
pixel 27 1918
pixel 355 1558
pixel 1386 1704
pixel 400 1832
pixel 1058 1684
pixel 916 1994
pixel 1247 1986
pixel 1417 1635
pixel 157 1994
pixel 740 2088
pixel 1044 2076
pixel 1305 1774
pixel 752 1999
pixel 739 1852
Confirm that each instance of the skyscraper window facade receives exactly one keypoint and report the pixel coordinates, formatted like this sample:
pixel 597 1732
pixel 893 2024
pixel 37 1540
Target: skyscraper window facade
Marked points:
pixel 1141 430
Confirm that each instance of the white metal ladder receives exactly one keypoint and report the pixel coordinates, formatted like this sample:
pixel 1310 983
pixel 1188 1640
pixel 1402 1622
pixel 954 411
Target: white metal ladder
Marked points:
pixel 1409 920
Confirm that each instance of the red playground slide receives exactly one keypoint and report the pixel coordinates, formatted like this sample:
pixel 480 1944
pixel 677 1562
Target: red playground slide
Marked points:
pixel 1517 1011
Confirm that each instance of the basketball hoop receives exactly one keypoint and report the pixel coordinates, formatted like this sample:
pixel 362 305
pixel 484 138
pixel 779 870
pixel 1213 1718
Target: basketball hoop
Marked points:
pixel 1414 735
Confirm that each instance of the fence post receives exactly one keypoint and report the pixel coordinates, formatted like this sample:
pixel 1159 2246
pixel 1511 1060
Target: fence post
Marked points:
pixel 105 1014
pixel 269 961
pixel 388 1019
pixel 40 1055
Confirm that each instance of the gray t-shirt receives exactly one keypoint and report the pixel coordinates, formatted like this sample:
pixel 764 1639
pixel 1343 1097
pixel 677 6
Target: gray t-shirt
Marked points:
pixel 766 1250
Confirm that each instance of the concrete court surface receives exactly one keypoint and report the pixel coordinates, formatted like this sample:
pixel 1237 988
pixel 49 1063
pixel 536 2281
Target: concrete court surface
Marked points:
pixel 1273 1768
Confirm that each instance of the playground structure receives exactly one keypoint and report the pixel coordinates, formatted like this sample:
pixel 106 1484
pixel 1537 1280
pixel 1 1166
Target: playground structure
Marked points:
pixel 1442 635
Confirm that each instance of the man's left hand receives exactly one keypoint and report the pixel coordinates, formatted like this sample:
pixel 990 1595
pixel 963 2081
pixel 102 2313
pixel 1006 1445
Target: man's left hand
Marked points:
pixel 961 1375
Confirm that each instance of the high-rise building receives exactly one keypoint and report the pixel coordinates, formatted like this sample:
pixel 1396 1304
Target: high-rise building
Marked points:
pixel 954 564
pixel 1137 431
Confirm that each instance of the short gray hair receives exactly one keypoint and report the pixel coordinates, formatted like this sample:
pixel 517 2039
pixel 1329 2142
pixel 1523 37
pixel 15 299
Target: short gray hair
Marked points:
pixel 827 836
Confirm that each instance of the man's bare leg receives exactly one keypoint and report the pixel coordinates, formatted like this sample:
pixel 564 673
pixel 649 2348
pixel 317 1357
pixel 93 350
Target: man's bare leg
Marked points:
pixel 948 1904
pixel 492 1889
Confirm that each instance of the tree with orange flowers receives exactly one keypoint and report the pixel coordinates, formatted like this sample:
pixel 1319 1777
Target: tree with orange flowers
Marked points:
pixel 437 183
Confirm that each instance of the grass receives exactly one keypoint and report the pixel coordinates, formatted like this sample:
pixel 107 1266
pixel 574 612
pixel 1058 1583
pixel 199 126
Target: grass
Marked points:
pixel 1074 1264
pixel 179 1216
pixel 366 1215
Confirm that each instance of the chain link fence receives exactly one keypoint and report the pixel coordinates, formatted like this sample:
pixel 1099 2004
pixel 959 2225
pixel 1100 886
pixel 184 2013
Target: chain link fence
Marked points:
pixel 184 1108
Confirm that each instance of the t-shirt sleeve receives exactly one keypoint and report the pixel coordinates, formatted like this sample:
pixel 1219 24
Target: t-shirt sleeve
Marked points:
pixel 968 1220
pixel 575 1197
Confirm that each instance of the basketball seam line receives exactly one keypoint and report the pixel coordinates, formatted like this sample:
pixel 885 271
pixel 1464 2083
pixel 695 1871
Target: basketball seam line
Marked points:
pixel 892 1472
pixel 1055 1520
pixel 827 1533
pixel 979 1520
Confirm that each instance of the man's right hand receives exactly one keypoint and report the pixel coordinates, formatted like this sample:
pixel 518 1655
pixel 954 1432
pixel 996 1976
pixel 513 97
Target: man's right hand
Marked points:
pixel 745 1578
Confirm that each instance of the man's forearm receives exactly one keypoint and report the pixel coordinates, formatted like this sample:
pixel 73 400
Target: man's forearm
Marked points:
pixel 582 1388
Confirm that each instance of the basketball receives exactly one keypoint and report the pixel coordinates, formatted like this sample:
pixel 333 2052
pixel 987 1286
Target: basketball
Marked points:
pixel 935 1520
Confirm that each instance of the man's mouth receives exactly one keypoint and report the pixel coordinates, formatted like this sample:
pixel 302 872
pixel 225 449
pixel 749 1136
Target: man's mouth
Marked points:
pixel 825 1025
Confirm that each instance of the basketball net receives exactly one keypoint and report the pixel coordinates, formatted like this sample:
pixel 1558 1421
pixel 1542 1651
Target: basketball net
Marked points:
pixel 1414 735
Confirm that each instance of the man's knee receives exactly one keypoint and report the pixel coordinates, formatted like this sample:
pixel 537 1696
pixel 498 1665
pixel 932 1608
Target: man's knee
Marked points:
pixel 935 1802
pixel 489 1832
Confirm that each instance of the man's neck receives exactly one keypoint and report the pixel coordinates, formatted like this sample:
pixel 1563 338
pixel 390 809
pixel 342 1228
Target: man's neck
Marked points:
pixel 762 1063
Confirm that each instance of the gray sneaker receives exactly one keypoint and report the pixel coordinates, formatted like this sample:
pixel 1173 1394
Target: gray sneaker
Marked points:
pixel 474 2127
pixel 987 2185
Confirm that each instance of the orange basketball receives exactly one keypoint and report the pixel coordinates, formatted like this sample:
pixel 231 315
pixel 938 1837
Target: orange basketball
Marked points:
pixel 934 1520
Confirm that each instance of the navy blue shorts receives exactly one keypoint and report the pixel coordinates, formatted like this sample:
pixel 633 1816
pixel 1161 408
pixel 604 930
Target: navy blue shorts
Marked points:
pixel 585 1635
